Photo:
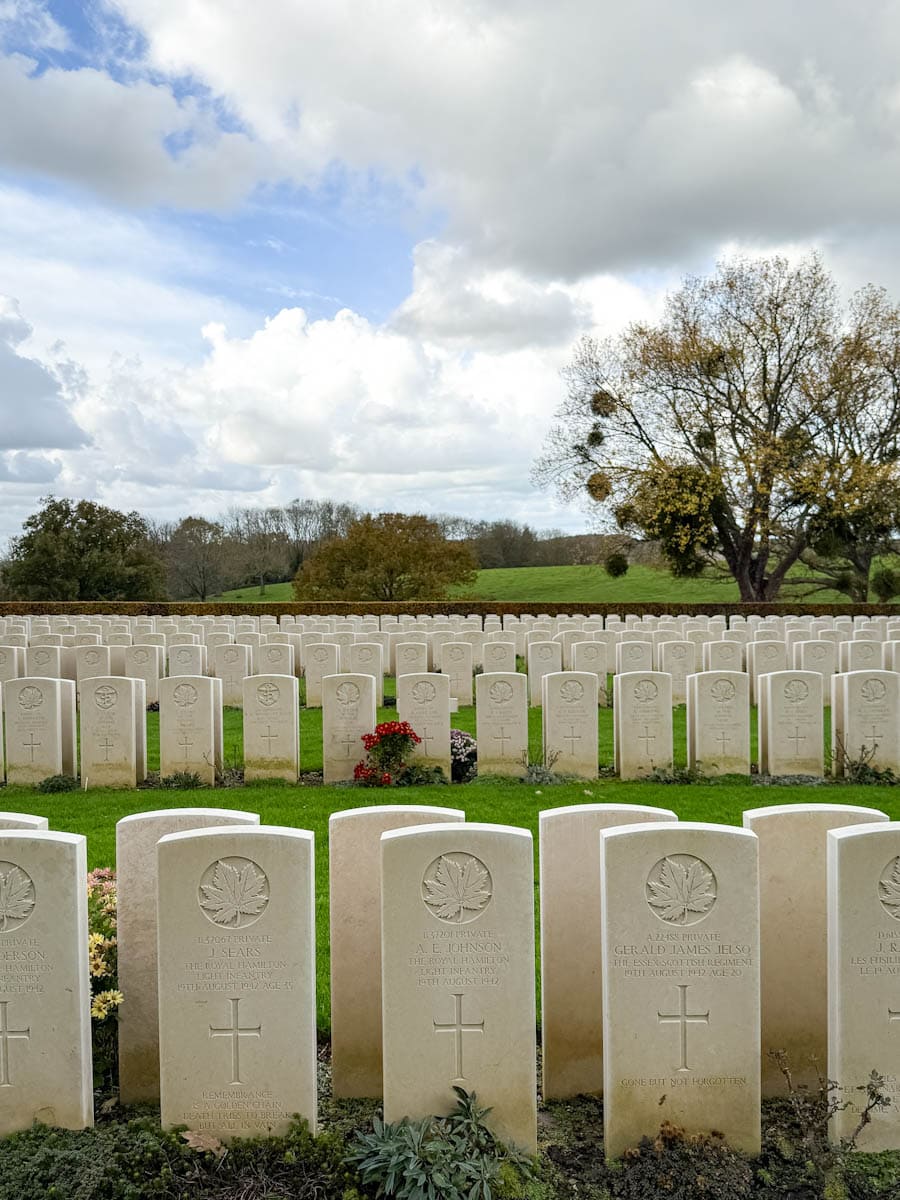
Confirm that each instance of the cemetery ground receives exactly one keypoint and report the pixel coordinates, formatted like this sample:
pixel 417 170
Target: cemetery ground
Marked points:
pixel 127 1155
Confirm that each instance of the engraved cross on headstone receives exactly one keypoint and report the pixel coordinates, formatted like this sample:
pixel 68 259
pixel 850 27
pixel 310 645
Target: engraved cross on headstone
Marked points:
pixel 458 1028
pixel 106 745
pixel 269 737
pixel 349 744
pixel 7 1035
pixel 797 737
pixel 426 738
pixel 185 743
pixel 502 738
pixel 647 737
pixel 683 1018
pixel 572 737
pixel 723 739
pixel 235 1032
pixel 31 745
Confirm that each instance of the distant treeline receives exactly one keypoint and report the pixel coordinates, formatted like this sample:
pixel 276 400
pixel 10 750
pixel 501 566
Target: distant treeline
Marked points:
pixel 78 549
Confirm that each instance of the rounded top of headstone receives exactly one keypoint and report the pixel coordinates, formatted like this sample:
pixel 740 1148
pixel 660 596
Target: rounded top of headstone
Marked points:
pixel 464 831
pixel 159 814
pixel 779 810
pixel 551 814
pixel 222 831
pixel 425 809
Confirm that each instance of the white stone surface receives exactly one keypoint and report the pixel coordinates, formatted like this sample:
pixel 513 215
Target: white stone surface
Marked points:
pixel 45 990
pixel 571 942
pixel 680 983
pixel 458 973
pixel 137 888
pixel 354 853
pixel 793 928
pixel 642 723
pixel 237 980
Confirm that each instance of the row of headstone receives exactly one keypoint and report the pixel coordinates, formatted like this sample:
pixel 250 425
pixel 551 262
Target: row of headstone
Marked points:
pixel 673 956
pixel 865 715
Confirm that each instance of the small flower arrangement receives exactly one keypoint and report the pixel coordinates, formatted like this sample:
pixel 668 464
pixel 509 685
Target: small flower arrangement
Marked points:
pixel 386 751
pixel 463 756
pixel 103 962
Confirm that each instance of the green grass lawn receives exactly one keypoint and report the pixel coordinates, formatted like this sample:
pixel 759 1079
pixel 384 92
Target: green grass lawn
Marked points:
pixel 577 585
pixel 506 802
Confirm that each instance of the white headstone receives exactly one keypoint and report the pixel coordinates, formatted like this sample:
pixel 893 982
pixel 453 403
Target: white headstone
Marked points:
pixel 571 943
pixel 137 891
pixel 320 660
pixel 34 744
pixel 718 722
pixel 354 853
pixel 680 983
pixel 348 713
pixel 237 980
pixel 231 664
pixel 865 719
pixel 543 658
pixel 458 973
pixel 570 730
pixel 45 987
pixel 112 715
pixel 863 988
pixel 424 701
pixel 501 716
pixel 791 733
pixel 271 724
pixel 793 926
pixel 642 723
pixel 188 707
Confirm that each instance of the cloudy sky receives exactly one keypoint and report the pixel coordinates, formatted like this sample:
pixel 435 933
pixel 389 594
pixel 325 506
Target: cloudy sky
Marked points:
pixel 341 249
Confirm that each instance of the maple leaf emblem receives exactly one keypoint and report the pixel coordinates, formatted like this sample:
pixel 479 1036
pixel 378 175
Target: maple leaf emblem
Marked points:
pixel 645 691
pixel 457 891
pixel 722 691
pixel 237 894
pixel 16 897
pixel 872 690
pixel 681 889
pixel 796 691
pixel 889 889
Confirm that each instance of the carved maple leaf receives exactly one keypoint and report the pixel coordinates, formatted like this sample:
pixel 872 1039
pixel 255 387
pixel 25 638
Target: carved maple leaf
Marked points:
pixel 235 892
pixel 16 896
pixel 681 890
pixel 457 889
pixel 889 890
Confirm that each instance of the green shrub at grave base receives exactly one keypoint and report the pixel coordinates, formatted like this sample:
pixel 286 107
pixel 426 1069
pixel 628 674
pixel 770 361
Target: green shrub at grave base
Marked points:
pixel 136 1159
pixel 58 783
pixel 455 1157
pixel 182 781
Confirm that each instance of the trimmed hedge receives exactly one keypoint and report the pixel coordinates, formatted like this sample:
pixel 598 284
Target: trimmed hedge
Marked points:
pixel 134 608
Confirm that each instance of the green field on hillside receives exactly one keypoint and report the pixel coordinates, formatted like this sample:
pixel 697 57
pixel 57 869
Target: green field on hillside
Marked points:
pixel 582 585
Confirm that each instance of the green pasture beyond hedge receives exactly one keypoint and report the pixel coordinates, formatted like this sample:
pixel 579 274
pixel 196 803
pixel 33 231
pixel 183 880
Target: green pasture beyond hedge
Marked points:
pixel 575 585
pixel 95 812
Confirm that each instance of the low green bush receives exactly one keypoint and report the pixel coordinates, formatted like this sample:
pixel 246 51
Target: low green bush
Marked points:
pixel 136 1160
pixel 440 1158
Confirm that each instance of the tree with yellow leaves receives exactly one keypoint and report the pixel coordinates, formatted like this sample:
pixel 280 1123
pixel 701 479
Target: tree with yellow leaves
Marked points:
pixel 755 425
